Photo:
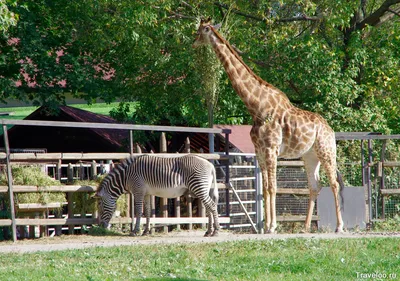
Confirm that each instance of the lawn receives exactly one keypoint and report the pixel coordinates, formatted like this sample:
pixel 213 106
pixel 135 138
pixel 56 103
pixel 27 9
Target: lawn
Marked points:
pixel 286 259
pixel 21 112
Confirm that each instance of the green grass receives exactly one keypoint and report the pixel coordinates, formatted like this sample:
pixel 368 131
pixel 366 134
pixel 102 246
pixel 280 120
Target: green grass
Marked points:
pixel 20 113
pixel 290 259
pixel 17 113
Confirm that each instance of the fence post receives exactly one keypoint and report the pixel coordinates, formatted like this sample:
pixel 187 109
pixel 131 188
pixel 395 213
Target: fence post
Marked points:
pixel 81 171
pixel 164 201
pixel 189 198
pixel 94 170
pixel 58 168
pixel 10 184
pixel 57 212
pixel 70 180
pixel 131 198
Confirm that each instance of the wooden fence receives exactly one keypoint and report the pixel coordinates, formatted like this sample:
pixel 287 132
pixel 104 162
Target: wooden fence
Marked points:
pixel 58 158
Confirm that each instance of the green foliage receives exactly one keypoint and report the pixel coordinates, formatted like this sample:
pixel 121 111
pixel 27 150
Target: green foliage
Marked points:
pixel 7 18
pixel 280 259
pixel 318 53
pixel 388 225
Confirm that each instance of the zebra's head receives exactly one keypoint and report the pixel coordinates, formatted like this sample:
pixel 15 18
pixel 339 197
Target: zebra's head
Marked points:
pixel 106 203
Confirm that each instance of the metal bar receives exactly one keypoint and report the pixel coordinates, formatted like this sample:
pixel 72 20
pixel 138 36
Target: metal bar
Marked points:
pixel 369 183
pixel 110 126
pixel 10 183
pixel 227 175
pixel 362 162
pixel 244 208
pixel 382 180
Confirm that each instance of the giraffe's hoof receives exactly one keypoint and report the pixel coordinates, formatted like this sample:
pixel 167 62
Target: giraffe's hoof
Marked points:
pixel 339 230
pixel 271 231
pixel 133 233
pixel 208 234
pixel 146 233
pixel 215 233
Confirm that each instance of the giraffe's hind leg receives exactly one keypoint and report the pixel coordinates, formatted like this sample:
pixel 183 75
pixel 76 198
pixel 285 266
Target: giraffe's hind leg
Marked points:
pixel 327 156
pixel 331 171
pixel 312 165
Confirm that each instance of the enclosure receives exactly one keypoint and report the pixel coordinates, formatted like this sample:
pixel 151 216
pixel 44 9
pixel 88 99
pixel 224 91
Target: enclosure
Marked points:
pixel 373 167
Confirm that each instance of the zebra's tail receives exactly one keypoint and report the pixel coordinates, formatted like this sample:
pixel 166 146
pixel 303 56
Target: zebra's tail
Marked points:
pixel 214 188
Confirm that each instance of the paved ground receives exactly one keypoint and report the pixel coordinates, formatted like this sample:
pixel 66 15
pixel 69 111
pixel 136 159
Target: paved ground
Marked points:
pixel 85 241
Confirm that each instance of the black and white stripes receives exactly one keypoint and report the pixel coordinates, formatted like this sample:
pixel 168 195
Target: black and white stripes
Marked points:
pixel 163 177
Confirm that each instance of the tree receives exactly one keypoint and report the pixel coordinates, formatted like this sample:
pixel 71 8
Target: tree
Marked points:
pixel 338 58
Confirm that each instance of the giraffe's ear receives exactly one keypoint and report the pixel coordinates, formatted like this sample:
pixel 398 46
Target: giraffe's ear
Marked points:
pixel 217 26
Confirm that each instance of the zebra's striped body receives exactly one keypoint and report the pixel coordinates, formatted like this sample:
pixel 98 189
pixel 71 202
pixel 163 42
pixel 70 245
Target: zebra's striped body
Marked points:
pixel 170 177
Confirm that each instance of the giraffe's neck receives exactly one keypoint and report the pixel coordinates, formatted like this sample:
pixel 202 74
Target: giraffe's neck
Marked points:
pixel 262 100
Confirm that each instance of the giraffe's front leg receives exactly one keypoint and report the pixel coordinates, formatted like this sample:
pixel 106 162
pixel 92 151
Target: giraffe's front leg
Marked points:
pixel 269 223
pixel 270 185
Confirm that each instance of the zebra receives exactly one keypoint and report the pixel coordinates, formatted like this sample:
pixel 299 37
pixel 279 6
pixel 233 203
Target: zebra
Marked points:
pixel 169 177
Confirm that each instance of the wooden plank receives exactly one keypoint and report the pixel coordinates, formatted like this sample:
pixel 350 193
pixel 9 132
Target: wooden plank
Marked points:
pixel 33 207
pixel 387 192
pixel 5 222
pixel 297 191
pixel 294 218
pixel 22 156
pixel 112 126
pixel 391 164
pixel 79 221
pixel 291 163
pixel 64 188
pixel 56 188
pixel 43 157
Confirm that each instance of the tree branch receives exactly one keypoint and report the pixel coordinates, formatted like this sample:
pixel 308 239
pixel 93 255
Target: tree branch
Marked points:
pixel 177 15
pixel 299 18
pixel 379 16
pixel 394 12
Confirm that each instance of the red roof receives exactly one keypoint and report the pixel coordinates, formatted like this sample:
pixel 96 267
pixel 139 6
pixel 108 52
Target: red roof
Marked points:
pixel 240 137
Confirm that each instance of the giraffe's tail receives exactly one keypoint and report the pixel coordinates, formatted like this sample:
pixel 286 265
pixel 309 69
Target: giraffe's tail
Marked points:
pixel 341 191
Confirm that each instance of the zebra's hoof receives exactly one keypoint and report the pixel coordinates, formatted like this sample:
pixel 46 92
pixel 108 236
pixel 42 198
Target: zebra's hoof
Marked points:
pixel 215 233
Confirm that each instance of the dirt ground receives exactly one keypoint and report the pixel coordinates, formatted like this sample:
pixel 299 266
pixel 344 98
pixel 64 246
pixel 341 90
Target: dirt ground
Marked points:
pixel 86 241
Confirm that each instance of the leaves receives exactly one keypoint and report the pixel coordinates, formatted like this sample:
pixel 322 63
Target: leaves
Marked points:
pixel 140 51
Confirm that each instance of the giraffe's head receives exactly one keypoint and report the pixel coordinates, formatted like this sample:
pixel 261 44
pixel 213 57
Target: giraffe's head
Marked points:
pixel 205 32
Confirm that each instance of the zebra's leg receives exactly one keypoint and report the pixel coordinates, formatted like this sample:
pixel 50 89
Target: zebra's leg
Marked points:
pixel 209 227
pixel 138 213
pixel 216 222
pixel 147 213
pixel 211 211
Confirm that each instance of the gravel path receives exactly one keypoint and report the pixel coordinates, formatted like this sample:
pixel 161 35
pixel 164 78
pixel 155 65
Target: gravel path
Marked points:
pixel 85 241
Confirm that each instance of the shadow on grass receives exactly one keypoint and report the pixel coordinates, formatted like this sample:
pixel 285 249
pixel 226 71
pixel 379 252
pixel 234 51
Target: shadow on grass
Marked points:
pixel 170 279
pixel 101 231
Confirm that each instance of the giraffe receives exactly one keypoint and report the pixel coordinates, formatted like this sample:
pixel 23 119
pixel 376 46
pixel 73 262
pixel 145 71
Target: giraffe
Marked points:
pixel 280 130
